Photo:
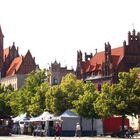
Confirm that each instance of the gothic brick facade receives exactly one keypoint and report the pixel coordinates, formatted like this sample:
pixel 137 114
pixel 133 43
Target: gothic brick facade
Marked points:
pixel 104 66
pixel 12 63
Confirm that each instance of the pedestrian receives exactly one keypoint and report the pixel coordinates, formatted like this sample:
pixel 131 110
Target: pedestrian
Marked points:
pixel 78 130
pixel 57 128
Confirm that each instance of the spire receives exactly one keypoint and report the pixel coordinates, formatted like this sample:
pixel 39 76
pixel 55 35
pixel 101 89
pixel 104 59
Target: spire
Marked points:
pixel 124 43
pixel 134 32
pixel 13 43
pixel 1 34
pixel 96 50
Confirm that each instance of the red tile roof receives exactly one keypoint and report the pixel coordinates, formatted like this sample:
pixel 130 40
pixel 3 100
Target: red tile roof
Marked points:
pixel 96 61
pixel 5 53
pixel 15 65
pixel 117 55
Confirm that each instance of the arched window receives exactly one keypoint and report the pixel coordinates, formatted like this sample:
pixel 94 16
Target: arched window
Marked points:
pixel 55 81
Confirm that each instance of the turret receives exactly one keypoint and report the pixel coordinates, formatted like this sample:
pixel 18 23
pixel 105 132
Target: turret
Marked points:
pixel 79 55
pixel 124 45
pixel 88 57
pixel 107 64
pixel 133 39
pixel 79 64
pixel 107 52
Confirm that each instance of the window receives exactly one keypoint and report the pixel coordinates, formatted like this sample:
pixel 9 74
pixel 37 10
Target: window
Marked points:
pixel 55 81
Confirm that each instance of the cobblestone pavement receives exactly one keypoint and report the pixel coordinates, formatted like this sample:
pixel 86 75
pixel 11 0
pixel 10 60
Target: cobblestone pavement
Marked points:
pixel 25 137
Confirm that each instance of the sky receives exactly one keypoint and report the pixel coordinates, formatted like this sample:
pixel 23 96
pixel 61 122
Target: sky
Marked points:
pixel 57 29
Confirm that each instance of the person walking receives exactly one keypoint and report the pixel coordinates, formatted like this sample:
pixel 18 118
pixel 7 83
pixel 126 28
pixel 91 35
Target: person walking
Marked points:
pixel 78 130
pixel 57 129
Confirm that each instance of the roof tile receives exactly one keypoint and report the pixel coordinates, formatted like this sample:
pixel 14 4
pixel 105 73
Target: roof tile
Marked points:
pixel 96 61
pixel 14 67
pixel 5 53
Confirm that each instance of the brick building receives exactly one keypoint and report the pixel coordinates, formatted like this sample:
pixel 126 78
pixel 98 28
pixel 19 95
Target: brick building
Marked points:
pixel 14 65
pixel 104 66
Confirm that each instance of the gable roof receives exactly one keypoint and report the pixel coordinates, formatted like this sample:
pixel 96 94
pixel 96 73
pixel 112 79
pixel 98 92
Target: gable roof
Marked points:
pixel 43 117
pixel 15 65
pixel 117 55
pixel 1 34
pixel 5 53
pixel 96 61
pixel 69 113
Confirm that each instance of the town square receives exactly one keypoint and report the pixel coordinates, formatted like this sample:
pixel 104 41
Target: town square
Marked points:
pixel 69 70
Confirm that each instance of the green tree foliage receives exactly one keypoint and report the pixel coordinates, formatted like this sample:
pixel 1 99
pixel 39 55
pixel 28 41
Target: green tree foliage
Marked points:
pixel 17 103
pixel 127 92
pixel 84 106
pixel 122 98
pixel 102 103
pixel 72 88
pixel 34 92
pixel 2 105
pixel 49 100
pixel 131 83
pixel 34 80
pixel 5 95
pixel 31 98
pixel 60 98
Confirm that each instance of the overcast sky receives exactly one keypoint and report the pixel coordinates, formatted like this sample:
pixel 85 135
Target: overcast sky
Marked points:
pixel 56 29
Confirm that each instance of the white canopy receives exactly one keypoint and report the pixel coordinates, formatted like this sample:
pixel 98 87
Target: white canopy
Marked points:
pixel 69 120
pixel 43 117
pixel 68 113
pixel 19 118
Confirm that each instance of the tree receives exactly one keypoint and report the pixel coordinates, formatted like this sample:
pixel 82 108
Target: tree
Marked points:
pixel 5 96
pixel 49 101
pixel 102 104
pixel 17 103
pixel 31 97
pixel 61 97
pixel 122 98
pixel 56 100
pixel 34 80
pixel 2 105
pixel 84 106
pixel 60 100
pixel 134 88
pixel 72 88
pixel 129 88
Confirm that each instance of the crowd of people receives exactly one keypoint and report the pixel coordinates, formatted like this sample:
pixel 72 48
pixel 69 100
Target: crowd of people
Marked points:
pixel 40 129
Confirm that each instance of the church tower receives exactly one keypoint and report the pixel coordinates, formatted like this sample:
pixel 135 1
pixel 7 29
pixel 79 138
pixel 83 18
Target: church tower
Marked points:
pixel 133 47
pixel 1 48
